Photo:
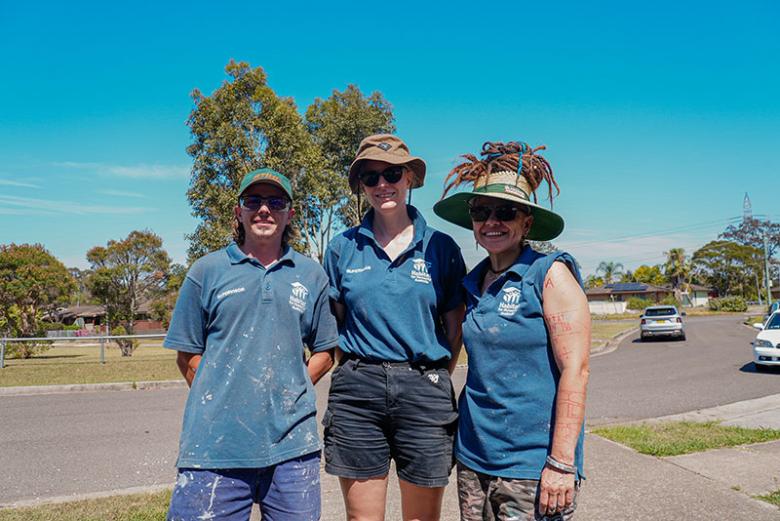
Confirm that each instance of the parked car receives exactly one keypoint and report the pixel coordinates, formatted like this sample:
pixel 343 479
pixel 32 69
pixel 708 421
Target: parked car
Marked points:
pixel 661 321
pixel 774 306
pixel 766 346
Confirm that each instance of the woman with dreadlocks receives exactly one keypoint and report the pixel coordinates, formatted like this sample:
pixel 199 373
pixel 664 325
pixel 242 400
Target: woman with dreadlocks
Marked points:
pixel 527 334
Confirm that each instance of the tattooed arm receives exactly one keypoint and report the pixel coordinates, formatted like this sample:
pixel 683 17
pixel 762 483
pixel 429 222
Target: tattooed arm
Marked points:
pixel 567 318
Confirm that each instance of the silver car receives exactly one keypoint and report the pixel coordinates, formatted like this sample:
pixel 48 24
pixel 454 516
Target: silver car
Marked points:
pixel 661 321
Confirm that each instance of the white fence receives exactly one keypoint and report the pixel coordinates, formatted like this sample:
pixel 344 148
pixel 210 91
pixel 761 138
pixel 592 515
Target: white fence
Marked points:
pixel 606 308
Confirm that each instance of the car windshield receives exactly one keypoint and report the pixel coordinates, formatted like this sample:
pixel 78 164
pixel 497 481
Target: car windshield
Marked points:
pixel 774 322
pixel 660 312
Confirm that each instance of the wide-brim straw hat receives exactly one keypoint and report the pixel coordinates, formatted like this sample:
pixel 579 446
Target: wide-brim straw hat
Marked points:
pixel 390 149
pixel 507 186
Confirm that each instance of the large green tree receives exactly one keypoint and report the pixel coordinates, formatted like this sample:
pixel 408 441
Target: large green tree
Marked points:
pixel 337 125
pixel 241 126
pixel 33 283
pixel 751 232
pixel 127 273
pixel 647 275
pixel 610 270
pixel 244 125
pixel 729 267
pixel 677 267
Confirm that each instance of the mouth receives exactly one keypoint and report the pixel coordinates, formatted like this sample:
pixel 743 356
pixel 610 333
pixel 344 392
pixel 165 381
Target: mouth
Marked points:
pixel 493 234
pixel 385 196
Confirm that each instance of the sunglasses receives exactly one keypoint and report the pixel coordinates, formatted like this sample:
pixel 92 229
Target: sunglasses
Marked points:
pixel 255 202
pixel 392 175
pixel 503 213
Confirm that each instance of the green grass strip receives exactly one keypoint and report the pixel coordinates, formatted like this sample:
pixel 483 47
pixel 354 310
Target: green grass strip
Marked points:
pixel 773 498
pixel 136 507
pixel 675 438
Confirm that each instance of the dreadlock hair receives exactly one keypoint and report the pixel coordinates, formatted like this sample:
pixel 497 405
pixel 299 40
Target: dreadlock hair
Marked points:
pixel 498 157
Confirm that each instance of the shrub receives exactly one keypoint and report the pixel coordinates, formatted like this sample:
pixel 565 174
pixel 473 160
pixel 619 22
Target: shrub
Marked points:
pixel 669 300
pixel 638 304
pixel 26 349
pixel 728 304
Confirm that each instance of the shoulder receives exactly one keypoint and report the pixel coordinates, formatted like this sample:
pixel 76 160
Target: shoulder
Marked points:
pixel 201 269
pixel 342 241
pixel 561 263
pixel 440 240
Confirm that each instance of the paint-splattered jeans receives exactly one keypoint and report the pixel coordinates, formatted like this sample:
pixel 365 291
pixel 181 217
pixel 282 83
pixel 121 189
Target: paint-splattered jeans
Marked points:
pixel 490 498
pixel 288 491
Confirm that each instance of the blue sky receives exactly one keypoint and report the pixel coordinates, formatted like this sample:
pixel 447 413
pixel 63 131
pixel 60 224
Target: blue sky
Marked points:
pixel 657 117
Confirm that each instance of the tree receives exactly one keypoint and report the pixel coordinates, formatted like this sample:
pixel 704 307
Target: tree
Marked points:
pixel 751 232
pixel 729 267
pixel 649 275
pixel 125 274
pixel 610 270
pixel 677 267
pixel 162 307
pixel 337 125
pixel 593 281
pixel 242 126
pixel 33 283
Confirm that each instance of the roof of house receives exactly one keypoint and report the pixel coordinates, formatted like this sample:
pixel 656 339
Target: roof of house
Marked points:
pixel 628 287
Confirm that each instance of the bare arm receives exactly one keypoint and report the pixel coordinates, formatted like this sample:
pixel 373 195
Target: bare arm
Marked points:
pixel 188 365
pixel 453 328
pixel 319 364
pixel 567 318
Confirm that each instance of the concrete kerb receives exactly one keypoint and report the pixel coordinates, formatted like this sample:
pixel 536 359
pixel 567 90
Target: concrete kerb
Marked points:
pixel 613 343
pixel 89 388
pixel 83 497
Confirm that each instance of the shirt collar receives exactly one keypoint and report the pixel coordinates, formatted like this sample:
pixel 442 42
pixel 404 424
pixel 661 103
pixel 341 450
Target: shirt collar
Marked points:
pixel 237 256
pixel 518 269
pixel 418 221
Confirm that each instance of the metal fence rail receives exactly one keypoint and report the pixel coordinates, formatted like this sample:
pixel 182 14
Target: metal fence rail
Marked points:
pixel 101 338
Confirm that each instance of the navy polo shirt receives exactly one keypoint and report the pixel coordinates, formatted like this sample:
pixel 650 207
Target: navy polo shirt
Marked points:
pixel 393 308
pixel 507 407
pixel 252 403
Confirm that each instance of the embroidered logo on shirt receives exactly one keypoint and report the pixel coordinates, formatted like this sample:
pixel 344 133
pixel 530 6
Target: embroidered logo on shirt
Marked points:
pixel 434 378
pixel 510 302
pixel 230 292
pixel 420 271
pixel 358 270
pixel 298 297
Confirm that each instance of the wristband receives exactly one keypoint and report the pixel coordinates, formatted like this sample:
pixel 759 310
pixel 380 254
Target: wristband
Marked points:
pixel 563 467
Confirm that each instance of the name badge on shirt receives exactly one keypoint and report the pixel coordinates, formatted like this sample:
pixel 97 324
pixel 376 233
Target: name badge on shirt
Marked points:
pixel 298 296
pixel 420 271
pixel 510 302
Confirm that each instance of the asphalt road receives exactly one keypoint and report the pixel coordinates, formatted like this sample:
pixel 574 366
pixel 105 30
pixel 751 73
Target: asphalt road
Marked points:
pixel 63 444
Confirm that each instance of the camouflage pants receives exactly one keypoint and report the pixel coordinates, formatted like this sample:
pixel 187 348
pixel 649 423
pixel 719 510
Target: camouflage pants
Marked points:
pixel 490 498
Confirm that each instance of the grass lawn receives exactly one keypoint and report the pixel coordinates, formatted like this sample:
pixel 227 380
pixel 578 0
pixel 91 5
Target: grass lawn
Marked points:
pixel 137 507
pixel 675 438
pixel 773 498
pixel 73 363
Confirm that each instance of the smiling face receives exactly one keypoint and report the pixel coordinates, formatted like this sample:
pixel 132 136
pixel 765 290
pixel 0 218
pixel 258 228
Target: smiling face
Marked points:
pixel 264 225
pixel 385 196
pixel 500 236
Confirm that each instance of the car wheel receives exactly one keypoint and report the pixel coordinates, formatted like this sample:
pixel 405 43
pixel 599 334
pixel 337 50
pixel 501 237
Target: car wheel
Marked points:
pixel 760 368
pixel 682 337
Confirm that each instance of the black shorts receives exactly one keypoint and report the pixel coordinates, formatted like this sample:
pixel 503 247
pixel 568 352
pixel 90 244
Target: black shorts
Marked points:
pixel 378 411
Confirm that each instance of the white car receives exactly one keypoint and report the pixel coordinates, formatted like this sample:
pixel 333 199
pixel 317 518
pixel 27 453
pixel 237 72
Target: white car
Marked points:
pixel 766 346
pixel 661 321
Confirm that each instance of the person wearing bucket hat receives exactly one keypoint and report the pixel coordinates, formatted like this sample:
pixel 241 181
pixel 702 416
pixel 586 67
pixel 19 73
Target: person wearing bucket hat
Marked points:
pixel 250 430
pixel 527 335
pixel 395 290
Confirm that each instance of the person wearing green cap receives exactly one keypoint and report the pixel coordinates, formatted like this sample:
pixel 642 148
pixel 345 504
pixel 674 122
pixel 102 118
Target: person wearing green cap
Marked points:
pixel 243 320
pixel 527 335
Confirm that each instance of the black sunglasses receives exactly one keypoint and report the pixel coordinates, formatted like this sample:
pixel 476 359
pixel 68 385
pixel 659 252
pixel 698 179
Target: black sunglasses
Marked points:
pixel 504 212
pixel 255 202
pixel 392 175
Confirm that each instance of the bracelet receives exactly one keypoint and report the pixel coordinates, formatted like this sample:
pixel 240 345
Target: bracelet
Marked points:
pixel 563 467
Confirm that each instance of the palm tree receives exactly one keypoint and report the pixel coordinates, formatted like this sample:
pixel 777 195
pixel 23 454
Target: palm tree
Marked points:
pixel 677 268
pixel 610 270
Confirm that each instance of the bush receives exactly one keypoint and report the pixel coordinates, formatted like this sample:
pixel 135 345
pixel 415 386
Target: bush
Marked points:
pixel 638 304
pixel 59 326
pixel 728 304
pixel 669 300
pixel 126 345
pixel 26 349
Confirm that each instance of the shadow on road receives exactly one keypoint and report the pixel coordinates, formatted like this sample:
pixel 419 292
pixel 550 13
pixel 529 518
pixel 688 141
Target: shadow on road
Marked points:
pixel 750 367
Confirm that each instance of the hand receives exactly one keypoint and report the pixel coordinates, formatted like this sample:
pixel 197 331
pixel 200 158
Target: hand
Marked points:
pixel 556 491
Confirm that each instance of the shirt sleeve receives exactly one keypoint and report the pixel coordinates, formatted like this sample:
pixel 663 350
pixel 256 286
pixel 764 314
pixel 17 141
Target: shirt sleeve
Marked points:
pixel 187 331
pixel 323 334
pixel 331 265
pixel 453 294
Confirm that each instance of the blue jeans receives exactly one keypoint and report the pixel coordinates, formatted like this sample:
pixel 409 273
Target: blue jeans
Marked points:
pixel 287 491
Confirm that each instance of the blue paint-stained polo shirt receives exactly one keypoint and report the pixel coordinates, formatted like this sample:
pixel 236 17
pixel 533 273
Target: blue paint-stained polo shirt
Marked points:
pixel 252 403
pixel 507 407
pixel 393 308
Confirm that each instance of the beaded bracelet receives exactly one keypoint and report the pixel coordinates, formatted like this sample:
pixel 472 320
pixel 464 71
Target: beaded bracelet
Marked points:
pixel 563 467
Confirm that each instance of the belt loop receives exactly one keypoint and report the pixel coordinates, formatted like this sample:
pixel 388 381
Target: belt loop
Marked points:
pixel 355 366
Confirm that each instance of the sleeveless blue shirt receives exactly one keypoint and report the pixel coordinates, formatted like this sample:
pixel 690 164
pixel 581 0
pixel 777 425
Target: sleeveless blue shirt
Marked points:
pixel 507 407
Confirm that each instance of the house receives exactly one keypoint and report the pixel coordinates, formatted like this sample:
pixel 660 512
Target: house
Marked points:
pixel 613 298
pixel 94 318
pixel 696 296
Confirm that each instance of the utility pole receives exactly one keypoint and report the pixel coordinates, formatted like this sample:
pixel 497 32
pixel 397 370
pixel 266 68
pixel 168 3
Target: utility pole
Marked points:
pixel 766 269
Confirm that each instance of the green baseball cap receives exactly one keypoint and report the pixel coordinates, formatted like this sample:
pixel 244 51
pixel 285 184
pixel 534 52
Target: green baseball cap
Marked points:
pixel 266 175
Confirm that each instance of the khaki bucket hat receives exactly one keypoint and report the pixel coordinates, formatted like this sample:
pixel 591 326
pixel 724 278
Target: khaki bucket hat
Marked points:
pixel 390 149
pixel 507 186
